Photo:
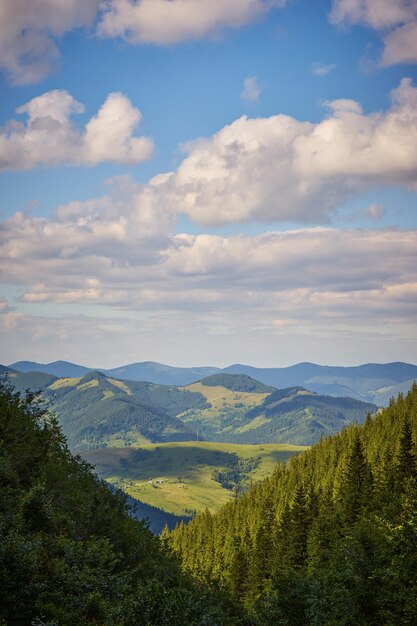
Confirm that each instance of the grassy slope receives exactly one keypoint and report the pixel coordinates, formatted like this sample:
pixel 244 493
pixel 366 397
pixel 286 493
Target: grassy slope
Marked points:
pixel 292 415
pixel 185 468
pixel 225 409
pixel 96 410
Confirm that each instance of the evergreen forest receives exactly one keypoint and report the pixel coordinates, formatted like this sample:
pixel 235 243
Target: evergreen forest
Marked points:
pixel 330 539
pixel 70 553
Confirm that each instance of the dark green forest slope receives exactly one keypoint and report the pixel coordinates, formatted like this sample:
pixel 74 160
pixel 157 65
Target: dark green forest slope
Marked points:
pixel 69 552
pixel 329 539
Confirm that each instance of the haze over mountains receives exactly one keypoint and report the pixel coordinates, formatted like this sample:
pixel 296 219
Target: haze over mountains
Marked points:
pixel 371 382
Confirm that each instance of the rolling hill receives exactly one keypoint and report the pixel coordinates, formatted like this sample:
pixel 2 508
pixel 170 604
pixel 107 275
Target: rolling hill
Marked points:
pixel 371 382
pixel 293 415
pixel 96 410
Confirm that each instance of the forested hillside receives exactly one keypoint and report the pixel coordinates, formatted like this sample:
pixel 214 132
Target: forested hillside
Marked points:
pixel 329 539
pixel 98 411
pixel 69 552
pixel 239 409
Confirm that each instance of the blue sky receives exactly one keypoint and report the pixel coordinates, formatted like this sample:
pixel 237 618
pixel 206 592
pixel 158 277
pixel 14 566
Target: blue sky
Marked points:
pixel 282 236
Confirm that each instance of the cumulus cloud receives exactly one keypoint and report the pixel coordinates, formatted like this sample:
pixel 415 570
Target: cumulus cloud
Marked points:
pixel 121 252
pixel 322 69
pixel 29 30
pixel 49 137
pixel 395 19
pixel 251 90
pixel 171 21
pixel 280 168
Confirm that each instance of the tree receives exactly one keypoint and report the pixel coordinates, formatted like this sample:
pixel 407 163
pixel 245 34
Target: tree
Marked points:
pixel 356 487
pixel 406 459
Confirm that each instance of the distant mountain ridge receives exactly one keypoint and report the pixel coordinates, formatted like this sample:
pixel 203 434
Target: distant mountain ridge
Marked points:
pixel 97 410
pixel 370 382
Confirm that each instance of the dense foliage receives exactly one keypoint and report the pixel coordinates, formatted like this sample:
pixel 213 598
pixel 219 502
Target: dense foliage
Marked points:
pixel 236 382
pixel 329 539
pixel 236 475
pixel 69 552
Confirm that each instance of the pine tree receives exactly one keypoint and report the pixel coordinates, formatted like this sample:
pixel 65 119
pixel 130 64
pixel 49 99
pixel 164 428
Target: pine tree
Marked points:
pixel 295 533
pixel 406 459
pixel 356 488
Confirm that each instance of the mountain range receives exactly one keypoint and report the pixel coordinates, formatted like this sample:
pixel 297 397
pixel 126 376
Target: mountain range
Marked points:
pixel 96 410
pixel 371 382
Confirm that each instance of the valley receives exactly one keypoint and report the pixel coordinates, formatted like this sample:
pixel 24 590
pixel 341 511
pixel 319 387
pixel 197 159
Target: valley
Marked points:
pixel 179 477
pixel 184 448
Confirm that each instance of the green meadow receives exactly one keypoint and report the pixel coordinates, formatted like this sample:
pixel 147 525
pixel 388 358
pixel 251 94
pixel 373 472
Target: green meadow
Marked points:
pixel 178 477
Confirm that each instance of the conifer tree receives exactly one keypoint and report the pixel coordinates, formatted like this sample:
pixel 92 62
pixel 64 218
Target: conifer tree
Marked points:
pixel 356 488
pixel 406 460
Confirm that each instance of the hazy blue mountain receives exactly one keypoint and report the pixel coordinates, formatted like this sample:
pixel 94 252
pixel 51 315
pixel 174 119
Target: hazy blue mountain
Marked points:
pixel 35 381
pixel 147 371
pixel 161 374
pixel 371 382
pixel 61 369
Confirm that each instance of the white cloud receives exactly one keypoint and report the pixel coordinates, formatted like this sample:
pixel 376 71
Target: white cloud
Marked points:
pixel 279 168
pixel 49 137
pixel 322 69
pixel 28 30
pixel 251 90
pixel 116 252
pixel 171 21
pixel 395 19
pixel 147 288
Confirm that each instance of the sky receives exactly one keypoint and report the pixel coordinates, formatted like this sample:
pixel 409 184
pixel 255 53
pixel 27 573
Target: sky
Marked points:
pixel 197 183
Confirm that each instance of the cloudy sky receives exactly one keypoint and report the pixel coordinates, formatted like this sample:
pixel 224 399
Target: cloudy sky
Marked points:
pixel 208 182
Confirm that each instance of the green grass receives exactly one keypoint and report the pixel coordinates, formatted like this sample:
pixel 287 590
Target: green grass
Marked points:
pixel 184 469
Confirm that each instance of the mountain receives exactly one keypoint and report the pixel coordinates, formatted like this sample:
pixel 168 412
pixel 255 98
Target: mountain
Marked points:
pixel 371 382
pixel 161 374
pixel 148 371
pixel 239 382
pixel 293 415
pixel 34 381
pixel 96 410
pixel 61 369
pixel 329 538
pixel 4 369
